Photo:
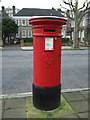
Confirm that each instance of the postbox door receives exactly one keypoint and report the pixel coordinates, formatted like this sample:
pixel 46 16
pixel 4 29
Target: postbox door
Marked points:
pixel 47 61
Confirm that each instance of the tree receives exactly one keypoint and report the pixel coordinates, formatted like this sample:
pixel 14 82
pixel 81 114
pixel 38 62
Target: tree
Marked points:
pixel 9 28
pixel 86 41
pixel 76 16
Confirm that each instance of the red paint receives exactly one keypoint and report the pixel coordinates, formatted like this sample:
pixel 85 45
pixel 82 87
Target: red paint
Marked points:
pixel 47 63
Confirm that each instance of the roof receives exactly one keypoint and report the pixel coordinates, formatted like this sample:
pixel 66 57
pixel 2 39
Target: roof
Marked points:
pixel 38 12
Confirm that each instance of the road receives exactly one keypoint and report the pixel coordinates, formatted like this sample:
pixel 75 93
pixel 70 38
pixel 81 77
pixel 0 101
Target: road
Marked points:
pixel 17 70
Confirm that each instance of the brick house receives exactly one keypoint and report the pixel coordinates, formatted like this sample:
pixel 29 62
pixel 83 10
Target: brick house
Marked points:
pixel 23 16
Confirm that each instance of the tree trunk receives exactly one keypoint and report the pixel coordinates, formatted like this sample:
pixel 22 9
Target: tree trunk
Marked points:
pixel 4 38
pixel 76 30
pixel 76 37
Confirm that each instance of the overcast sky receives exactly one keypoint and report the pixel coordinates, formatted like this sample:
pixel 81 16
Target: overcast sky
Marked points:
pixel 48 4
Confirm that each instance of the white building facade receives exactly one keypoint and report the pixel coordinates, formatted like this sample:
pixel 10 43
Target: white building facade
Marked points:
pixel 22 19
pixel 25 28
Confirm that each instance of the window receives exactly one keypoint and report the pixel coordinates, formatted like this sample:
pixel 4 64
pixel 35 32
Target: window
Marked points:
pixel 23 33
pixel 30 33
pixel 79 34
pixel 18 34
pixel 83 33
pixel 23 22
pixel 72 34
pixel 73 24
pixel 84 22
pixel 29 23
pixel 63 32
pixel 17 21
pixel 71 14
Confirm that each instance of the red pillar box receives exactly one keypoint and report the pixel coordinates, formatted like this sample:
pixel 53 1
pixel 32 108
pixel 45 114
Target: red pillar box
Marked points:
pixel 47 62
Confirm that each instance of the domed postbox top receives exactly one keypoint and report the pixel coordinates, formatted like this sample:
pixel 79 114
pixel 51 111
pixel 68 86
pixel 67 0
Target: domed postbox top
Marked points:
pixel 48 20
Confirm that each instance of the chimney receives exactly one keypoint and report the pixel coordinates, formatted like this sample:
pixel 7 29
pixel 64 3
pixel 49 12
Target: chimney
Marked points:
pixel 3 9
pixel 3 12
pixel 68 13
pixel 13 7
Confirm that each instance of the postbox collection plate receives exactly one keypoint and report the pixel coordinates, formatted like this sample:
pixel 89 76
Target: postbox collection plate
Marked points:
pixel 49 43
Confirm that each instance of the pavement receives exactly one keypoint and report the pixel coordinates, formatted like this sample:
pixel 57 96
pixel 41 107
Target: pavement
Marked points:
pixel 30 48
pixel 74 104
pixel 1 48
pixel 26 48
pixel 63 48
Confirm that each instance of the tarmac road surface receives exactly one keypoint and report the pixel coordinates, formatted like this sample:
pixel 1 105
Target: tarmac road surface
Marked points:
pixel 17 70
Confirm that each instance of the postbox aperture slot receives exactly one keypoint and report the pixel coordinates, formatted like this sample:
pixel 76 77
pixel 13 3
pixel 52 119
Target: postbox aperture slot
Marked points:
pixel 49 30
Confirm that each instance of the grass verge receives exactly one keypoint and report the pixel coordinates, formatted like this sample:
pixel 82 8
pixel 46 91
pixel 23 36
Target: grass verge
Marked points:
pixel 64 110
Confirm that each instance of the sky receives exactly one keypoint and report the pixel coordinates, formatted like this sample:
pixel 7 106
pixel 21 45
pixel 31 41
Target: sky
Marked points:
pixel 44 4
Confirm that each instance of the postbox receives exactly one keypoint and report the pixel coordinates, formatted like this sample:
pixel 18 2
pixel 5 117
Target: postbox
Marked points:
pixel 47 40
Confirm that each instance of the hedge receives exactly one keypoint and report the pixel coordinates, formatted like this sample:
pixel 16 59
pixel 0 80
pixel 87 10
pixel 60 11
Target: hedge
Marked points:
pixel 65 40
pixel 26 40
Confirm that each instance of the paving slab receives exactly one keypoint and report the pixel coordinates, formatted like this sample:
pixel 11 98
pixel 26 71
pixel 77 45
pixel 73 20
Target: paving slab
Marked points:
pixel 89 102
pixel 74 105
pixel 15 103
pixel 79 106
pixel 0 109
pixel 71 116
pixel 0 114
pixel 73 96
pixel 89 105
pixel 0 104
pixel 15 113
pixel 28 102
pixel 86 94
pixel 65 114
pixel 83 115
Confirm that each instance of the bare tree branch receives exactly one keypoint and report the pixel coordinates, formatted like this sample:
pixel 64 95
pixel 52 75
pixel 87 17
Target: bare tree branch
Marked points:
pixel 83 14
pixel 70 17
pixel 70 5
pixel 83 5
pixel 66 14
pixel 87 5
pixel 73 6
pixel 62 7
pixel 87 8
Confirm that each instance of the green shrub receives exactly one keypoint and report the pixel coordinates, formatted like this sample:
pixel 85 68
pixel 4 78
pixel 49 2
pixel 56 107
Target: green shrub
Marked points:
pixel 65 40
pixel 27 40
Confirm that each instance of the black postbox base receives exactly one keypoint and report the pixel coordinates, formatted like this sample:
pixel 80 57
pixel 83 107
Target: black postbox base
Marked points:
pixel 46 98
